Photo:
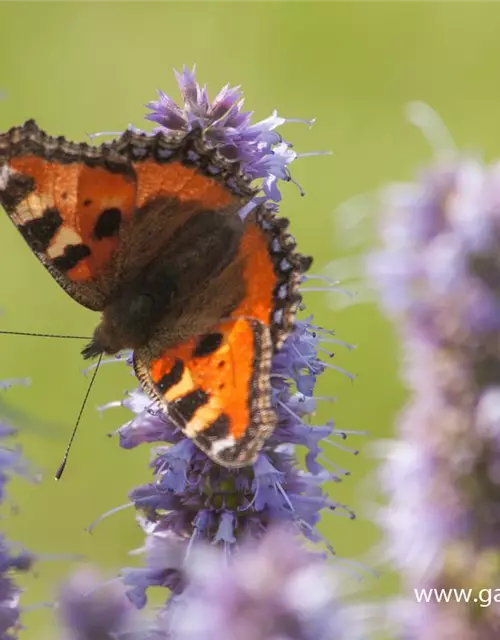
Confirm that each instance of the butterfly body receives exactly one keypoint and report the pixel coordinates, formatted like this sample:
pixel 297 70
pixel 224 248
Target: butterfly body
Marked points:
pixel 181 288
pixel 146 231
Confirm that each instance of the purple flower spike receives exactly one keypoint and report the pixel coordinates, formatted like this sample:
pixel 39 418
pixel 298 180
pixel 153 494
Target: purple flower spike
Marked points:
pixel 439 275
pixel 271 589
pixel 261 152
pixel 191 499
pixel 11 562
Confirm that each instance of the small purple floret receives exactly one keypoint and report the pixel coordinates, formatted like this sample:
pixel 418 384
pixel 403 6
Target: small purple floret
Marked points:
pixel 262 153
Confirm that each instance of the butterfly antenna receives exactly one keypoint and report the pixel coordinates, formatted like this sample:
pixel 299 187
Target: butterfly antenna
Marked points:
pixel 62 466
pixel 42 335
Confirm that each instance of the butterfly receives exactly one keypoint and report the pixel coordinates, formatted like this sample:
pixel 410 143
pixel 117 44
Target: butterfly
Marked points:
pixel 146 230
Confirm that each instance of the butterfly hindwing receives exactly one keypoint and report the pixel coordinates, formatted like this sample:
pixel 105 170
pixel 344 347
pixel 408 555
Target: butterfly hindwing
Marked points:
pixel 217 386
pixel 217 389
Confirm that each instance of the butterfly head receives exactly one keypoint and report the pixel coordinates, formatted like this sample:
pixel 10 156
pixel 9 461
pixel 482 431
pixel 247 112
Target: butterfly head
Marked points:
pixel 126 324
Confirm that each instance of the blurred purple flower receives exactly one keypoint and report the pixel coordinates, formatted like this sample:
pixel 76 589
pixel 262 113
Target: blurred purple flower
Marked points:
pixel 439 275
pixel 11 562
pixel 93 610
pixel 270 589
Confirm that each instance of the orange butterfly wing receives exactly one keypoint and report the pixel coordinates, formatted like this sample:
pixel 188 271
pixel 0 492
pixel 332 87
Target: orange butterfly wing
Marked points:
pixel 206 384
pixel 217 387
pixel 74 202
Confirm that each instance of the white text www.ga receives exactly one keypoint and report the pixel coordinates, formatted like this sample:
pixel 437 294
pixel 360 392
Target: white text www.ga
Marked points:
pixel 485 597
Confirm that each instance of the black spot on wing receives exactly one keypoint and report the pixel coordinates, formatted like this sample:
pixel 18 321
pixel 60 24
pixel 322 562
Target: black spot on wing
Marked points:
pixel 108 223
pixel 173 377
pixel 187 406
pixel 87 202
pixel 219 428
pixel 73 254
pixel 39 232
pixel 207 344
pixel 18 187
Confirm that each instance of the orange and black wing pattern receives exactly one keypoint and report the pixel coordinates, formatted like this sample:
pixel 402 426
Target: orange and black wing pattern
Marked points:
pixel 69 201
pixel 217 387
pixel 81 208
pixel 206 385
pixel 72 202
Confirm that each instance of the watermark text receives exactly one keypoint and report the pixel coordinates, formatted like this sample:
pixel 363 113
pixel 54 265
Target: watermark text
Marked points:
pixel 483 597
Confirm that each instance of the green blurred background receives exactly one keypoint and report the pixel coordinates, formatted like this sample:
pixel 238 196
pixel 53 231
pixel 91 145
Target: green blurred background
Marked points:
pixel 85 67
